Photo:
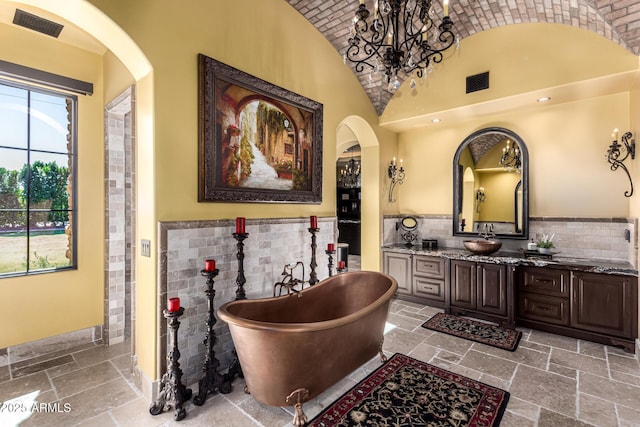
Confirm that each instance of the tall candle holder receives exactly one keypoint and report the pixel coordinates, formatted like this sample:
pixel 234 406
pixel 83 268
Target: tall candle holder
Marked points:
pixel 313 276
pixel 212 380
pixel 240 280
pixel 172 392
pixel 330 253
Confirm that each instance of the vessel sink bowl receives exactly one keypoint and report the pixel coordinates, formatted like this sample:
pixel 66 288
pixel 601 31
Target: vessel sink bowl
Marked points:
pixel 482 247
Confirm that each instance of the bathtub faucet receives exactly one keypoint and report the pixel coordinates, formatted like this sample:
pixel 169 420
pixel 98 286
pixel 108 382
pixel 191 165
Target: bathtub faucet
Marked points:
pixel 288 281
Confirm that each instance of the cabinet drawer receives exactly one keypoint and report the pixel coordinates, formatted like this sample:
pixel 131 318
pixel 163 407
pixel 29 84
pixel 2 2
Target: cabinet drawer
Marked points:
pixel 544 308
pixel 428 288
pixel 429 266
pixel 544 281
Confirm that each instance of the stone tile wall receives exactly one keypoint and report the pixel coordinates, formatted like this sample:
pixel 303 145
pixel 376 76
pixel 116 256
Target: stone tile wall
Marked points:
pixel 591 238
pixel 184 246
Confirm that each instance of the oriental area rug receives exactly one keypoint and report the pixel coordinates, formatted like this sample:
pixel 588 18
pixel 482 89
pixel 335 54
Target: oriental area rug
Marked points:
pixel 485 333
pixel 407 392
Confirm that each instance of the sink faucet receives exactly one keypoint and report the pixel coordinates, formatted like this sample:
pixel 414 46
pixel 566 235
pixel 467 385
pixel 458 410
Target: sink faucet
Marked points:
pixel 487 231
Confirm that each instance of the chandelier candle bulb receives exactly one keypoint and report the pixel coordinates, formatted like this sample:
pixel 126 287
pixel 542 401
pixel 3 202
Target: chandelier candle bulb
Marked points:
pixel 614 135
pixel 445 5
pixel 174 305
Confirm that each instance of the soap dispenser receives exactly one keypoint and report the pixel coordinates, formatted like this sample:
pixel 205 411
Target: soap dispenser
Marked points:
pixel 532 245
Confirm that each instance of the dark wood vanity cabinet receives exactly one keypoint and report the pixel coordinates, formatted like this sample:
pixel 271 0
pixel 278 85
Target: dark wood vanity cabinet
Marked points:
pixel 593 306
pixel 481 289
pixel 429 279
pixel 604 303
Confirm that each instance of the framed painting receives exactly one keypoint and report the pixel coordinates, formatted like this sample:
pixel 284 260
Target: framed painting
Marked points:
pixel 257 142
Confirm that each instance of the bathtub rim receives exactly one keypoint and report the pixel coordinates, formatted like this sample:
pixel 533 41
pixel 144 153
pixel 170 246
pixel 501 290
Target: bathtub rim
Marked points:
pixel 232 319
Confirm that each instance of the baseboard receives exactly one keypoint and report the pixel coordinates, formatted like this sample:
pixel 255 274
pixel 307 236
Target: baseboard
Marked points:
pixel 146 385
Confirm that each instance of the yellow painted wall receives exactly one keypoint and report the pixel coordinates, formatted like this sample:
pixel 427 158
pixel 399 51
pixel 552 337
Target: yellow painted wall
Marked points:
pixel 44 305
pixel 567 137
pixel 568 172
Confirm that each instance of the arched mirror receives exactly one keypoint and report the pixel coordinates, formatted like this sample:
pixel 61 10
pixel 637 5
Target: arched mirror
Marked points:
pixel 491 184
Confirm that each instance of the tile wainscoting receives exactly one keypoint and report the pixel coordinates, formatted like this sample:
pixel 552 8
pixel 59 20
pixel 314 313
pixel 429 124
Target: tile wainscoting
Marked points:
pixel 185 245
pixel 591 238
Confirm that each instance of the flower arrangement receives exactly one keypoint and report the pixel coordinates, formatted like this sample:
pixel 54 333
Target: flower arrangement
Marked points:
pixel 546 241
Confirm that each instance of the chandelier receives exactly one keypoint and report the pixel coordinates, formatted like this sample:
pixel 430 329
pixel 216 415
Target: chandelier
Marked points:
pixel 511 157
pixel 401 38
pixel 351 173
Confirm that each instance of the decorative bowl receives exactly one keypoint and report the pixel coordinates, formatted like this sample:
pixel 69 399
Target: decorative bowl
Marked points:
pixel 482 247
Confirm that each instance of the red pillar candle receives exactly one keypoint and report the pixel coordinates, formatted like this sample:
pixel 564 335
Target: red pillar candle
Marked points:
pixel 174 305
pixel 340 265
pixel 313 221
pixel 331 247
pixel 240 223
pixel 210 265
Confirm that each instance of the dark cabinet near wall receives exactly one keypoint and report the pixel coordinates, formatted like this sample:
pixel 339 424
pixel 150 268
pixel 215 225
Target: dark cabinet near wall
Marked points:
pixel 592 306
pixel 482 290
pixel 348 207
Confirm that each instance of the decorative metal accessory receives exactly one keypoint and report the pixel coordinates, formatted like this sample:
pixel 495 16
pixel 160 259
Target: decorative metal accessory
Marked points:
pixel 480 197
pixel 396 175
pixel 172 392
pixel 313 276
pixel 615 152
pixel 351 173
pixel 240 280
pixel 511 158
pixel 330 253
pixel 408 225
pixel 401 38
pixel 212 380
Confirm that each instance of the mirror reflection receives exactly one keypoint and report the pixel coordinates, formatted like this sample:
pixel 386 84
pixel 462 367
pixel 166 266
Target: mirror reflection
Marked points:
pixel 491 184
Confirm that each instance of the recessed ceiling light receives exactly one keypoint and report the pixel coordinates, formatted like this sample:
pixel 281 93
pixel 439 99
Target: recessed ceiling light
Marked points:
pixel 544 99
pixel 435 120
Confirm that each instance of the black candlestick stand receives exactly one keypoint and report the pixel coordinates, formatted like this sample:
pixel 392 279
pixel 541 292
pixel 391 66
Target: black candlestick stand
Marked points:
pixel 172 392
pixel 240 280
pixel 330 253
pixel 212 380
pixel 313 276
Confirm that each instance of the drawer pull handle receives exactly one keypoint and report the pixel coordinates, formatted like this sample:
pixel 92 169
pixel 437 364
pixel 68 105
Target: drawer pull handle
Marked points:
pixel 543 308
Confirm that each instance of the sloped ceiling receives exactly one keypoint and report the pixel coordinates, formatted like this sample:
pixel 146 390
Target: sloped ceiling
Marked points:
pixel 618 21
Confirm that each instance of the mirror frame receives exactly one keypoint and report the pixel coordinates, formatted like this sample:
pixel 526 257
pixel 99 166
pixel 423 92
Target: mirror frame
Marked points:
pixel 524 172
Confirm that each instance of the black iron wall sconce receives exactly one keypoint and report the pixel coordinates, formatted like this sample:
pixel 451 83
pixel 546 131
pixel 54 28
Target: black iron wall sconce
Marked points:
pixel 618 153
pixel 396 175
pixel 480 197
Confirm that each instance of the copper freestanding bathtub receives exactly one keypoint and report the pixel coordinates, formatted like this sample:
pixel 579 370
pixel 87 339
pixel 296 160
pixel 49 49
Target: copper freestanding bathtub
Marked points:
pixel 293 347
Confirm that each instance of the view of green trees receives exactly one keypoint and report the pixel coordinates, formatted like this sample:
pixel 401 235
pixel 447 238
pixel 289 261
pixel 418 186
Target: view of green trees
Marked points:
pixel 47 183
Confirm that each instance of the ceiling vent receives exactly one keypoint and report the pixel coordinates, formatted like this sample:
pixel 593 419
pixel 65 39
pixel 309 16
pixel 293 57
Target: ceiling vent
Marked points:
pixel 478 82
pixel 36 23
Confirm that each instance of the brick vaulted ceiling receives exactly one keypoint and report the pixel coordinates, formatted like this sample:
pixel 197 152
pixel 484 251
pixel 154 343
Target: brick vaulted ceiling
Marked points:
pixel 617 20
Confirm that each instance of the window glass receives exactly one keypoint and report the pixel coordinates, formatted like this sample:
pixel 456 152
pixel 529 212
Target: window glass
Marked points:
pixel 37 227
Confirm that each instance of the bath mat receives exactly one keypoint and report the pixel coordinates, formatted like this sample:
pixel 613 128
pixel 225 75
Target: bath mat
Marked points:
pixel 407 392
pixel 485 333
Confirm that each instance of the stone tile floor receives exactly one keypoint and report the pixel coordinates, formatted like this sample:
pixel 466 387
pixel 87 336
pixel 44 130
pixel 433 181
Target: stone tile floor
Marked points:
pixel 553 381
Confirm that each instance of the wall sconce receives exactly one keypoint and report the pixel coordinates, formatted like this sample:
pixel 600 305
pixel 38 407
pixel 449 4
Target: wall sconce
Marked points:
pixel 615 154
pixel 480 197
pixel 396 175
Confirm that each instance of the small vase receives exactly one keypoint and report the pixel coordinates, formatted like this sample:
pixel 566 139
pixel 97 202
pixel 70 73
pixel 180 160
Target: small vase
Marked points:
pixel 546 251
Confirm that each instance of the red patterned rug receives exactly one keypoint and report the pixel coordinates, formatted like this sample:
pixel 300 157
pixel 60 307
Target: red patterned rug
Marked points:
pixel 485 333
pixel 407 392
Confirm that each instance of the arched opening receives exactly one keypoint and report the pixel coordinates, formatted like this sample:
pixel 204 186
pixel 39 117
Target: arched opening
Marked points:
pixel 356 131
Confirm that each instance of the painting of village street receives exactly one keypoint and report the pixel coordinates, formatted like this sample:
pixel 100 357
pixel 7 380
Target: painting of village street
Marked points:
pixel 265 147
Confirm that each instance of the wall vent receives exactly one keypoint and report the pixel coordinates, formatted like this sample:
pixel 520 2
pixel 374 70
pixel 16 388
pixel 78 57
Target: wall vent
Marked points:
pixel 36 23
pixel 478 82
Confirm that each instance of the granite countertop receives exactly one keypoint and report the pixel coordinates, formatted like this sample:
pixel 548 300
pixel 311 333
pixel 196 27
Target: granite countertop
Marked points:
pixel 518 258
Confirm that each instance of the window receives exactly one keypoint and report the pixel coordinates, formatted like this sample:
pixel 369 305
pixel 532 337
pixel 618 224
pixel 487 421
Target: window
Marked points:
pixel 37 166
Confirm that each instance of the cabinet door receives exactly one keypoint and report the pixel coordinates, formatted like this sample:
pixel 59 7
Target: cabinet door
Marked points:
pixel 492 289
pixel 398 266
pixel 604 303
pixel 463 284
